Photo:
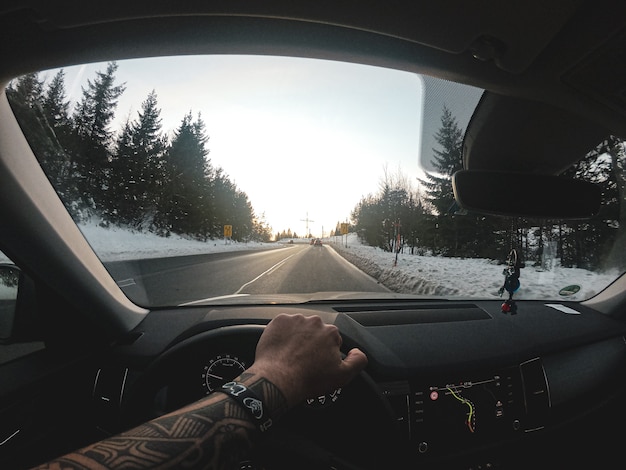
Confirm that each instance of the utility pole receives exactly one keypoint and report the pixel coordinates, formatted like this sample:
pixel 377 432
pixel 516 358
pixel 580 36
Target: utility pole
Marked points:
pixel 307 220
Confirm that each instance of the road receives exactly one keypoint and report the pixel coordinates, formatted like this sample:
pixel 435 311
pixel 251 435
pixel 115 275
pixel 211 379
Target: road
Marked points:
pixel 292 269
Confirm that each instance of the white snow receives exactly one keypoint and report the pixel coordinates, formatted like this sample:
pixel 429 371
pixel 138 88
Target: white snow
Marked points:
pixel 449 277
pixel 414 274
pixel 116 244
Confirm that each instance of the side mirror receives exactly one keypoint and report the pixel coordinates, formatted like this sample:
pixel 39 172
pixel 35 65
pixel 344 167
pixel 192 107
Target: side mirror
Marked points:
pixel 525 195
pixel 18 300
pixel 9 286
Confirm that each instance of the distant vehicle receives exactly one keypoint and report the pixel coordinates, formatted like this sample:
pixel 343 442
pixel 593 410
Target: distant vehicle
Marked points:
pixel 317 242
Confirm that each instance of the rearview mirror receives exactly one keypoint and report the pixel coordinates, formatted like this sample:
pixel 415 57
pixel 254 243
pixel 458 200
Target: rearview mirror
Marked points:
pixel 525 195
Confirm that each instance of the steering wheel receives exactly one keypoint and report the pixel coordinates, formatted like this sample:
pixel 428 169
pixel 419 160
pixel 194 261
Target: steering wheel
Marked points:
pixel 356 428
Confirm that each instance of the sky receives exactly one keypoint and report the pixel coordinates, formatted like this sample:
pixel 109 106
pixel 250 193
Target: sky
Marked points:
pixel 268 117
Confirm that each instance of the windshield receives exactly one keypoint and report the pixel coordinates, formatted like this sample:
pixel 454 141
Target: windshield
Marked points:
pixel 237 178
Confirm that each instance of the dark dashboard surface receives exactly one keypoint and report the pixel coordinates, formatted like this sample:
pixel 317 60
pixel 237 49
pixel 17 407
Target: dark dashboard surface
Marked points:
pixel 443 379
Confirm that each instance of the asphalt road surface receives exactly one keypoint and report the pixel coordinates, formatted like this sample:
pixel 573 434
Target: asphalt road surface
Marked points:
pixel 191 279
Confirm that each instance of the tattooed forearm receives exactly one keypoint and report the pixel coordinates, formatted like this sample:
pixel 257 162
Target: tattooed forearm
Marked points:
pixel 213 433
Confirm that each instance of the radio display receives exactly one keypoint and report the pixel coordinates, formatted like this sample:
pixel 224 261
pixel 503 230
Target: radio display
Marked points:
pixel 449 415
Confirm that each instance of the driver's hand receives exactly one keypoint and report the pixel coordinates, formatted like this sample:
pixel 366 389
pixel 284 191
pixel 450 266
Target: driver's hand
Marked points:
pixel 301 356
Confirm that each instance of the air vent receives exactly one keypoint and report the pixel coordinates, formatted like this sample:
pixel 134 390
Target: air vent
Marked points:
pixel 383 315
pixel 536 394
pixel 108 390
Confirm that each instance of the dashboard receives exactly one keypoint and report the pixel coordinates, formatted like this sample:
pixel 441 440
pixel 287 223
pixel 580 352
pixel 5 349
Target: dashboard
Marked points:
pixel 445 380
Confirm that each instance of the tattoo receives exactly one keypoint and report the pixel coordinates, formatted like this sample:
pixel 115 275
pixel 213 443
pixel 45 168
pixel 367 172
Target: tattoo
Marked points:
pixel 213 433
pixel 269 393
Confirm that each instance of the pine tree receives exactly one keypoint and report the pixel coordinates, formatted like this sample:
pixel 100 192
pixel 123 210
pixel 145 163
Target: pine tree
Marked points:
pixel 224 194
pixel 262 231
pixel 137 164
pixel 124 168
pixel 92 119
pixel 32 109
pixel 187 203
pixel 394 215
pixel 55 108
pixel 368 220
pixel 448 160
pixel 27 90
pixel 25 96
pixel 596 243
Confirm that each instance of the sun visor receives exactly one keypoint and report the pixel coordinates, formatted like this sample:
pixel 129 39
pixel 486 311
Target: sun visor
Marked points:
pixel 511 134
pixel 525 195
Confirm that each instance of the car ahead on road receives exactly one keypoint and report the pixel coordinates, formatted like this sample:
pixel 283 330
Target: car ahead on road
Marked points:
pixel 317 242
pixel 474 178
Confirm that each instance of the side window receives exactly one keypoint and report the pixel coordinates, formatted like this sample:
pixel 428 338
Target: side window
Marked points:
pixel 10 347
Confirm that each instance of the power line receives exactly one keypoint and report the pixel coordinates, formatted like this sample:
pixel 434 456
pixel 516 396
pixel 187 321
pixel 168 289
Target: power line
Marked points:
pixel 307 220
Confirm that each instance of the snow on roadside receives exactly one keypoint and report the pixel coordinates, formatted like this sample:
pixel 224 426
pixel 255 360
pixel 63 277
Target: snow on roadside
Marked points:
pixel 116 244
pixel 466 277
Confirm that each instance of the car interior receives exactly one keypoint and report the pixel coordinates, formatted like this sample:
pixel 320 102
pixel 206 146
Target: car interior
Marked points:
pixel 453 381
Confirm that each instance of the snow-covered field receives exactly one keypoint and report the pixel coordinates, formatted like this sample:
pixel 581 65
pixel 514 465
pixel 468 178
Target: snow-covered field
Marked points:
pixel 414 274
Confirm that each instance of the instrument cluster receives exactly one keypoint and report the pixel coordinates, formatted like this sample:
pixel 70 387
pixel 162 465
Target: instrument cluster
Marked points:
pixel 224 367
pixel 208 364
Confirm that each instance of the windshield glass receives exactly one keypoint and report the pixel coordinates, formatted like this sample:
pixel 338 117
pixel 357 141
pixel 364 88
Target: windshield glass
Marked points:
pixel 238 178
